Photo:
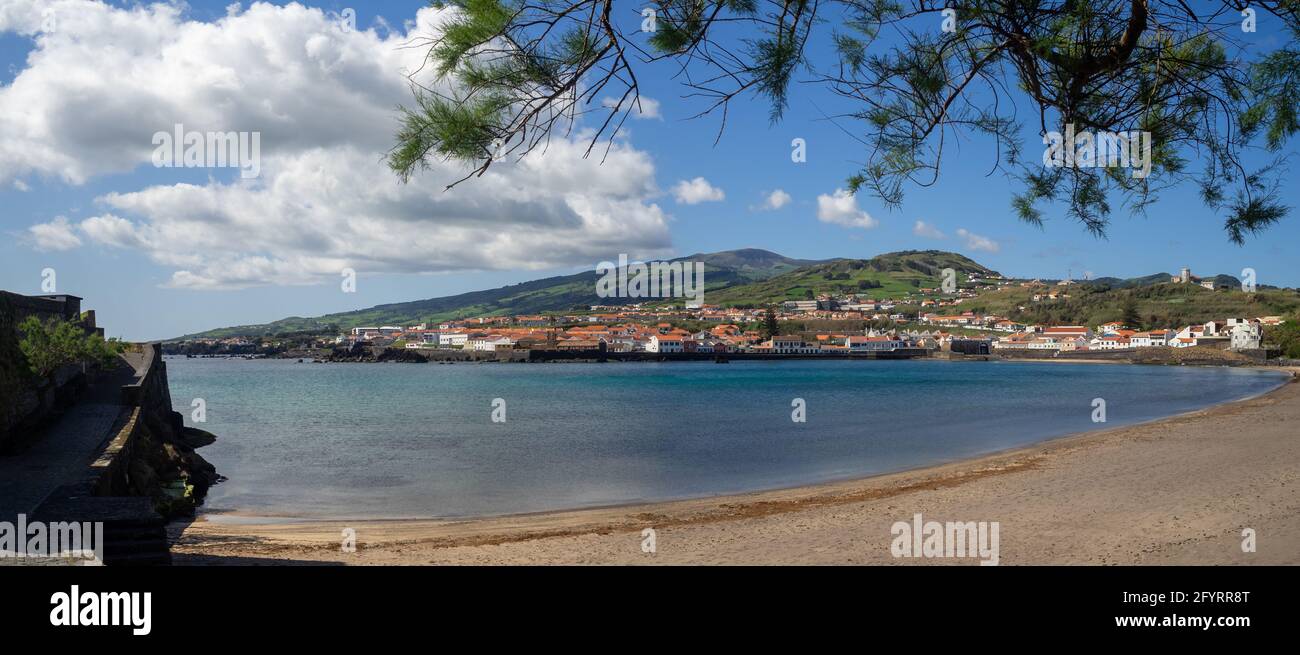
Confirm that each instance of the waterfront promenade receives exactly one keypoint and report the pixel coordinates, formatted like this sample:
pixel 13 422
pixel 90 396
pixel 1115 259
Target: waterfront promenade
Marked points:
pixel 68 445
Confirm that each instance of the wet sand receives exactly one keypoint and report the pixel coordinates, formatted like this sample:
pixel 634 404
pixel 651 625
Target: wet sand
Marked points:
pixel 1179 490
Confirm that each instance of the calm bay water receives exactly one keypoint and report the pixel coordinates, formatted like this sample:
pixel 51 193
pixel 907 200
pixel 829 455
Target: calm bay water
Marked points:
pixel 417 440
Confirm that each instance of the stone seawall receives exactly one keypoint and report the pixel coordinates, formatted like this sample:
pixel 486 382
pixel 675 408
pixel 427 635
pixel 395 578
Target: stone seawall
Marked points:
pixel 1101 355
pixel 1193 356
pixel 155 447
pixel 145 472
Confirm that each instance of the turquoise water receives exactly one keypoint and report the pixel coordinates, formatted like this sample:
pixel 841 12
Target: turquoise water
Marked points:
pixel 418 440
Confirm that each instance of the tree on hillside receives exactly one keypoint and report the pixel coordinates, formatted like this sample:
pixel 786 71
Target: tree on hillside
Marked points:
pixel 770 327
pixel 1129 313
pixel 1286 337
pixel 918 76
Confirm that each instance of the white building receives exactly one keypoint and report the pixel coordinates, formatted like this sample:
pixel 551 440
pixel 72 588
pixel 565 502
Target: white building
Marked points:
pixel 1044 343
pixel 873 344
pixel 1150 339
pixel 452 340
pixel 490 344
pixel 664 344
pixel 1110 342
pixel 1245 335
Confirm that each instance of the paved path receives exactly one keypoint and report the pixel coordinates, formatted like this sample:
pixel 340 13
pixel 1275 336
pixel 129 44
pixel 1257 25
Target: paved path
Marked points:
pixel 71 443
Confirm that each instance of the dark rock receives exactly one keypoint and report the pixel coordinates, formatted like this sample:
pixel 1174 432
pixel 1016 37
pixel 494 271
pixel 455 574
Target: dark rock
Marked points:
pixel 195 438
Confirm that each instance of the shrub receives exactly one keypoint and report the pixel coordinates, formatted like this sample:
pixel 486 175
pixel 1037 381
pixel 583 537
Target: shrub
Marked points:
pixel 48 345
pixel 1286 336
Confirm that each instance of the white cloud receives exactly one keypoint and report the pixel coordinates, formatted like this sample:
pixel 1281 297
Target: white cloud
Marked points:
pixel 95 91
pixel 841 208
pixel 923 229
pixel 774 200
pixel 21 186
pixel 696 191
pixel 648 109
pixel 976 242
pixel 55 235
pixel 114 231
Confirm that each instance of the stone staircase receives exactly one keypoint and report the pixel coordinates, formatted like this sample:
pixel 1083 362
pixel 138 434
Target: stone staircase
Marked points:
pixel 134 534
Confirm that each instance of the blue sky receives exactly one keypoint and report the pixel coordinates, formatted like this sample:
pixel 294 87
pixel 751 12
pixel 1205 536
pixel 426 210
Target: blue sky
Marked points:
pixel 149 223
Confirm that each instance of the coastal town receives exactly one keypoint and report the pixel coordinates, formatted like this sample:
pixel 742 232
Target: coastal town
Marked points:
pixel 621 332
pixel 926 320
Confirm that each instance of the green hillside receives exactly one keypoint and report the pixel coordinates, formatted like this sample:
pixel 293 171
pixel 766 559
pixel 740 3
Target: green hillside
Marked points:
pixel 554 294
pixel 1156 305
pixel 891 275
pixel 1154 278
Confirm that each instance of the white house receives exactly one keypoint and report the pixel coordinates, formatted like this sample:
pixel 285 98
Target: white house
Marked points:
pixel 662 343
pixel 1192 332
pixel 1245 336
pixel 788 345
pixel 1112 327
pixel 1150 339
pixel 1111 342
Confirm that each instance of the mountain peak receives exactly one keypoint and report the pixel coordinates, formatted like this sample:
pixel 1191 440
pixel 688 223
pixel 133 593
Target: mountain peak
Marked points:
pixel 748 258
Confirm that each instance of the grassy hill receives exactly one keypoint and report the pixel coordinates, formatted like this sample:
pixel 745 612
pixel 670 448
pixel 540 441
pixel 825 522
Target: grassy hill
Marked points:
pixel 1154 278
pixel 1158 305
pixel 891 275
pixel 560 293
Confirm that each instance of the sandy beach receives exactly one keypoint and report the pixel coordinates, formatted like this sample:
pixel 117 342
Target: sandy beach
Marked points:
pixel 1179 490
